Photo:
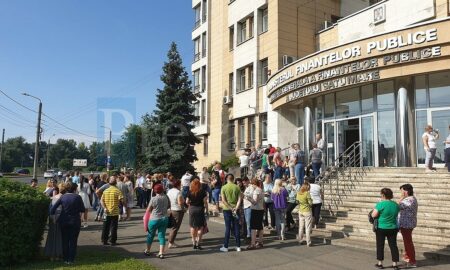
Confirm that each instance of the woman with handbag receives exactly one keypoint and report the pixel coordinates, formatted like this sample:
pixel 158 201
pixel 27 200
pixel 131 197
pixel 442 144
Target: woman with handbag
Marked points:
pixel 386 211
pixel 53 245
pixel 176 210
pixel 159 220
pixel 197 200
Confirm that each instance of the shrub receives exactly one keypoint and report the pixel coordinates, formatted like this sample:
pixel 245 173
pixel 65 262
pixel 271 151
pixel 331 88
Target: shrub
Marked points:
pixel 24 213
pixel 232 161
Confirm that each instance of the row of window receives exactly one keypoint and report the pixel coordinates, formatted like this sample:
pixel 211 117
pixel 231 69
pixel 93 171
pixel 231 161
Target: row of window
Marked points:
pixel 200 47
pixel 243 142
pixel 246 28
pixel 245 76
pixel 199 82
pixel 200 13
pixel 200 112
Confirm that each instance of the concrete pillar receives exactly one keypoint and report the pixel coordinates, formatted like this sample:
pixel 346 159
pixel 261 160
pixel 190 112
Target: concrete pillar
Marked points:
pixel 405 123
pixel 308 129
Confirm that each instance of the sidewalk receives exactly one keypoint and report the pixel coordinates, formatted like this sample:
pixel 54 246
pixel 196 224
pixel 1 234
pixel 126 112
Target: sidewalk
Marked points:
pixel 274 255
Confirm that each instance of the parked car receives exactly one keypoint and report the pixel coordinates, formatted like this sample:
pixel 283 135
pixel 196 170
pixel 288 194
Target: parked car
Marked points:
pixel 23 171
pixel 49 174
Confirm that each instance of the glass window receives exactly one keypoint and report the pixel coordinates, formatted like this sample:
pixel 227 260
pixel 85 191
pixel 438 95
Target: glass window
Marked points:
pixel 347 102
pixel 301 117
pixel 232 140
pixel 231 38
pixel 204 44
pixel 250 76
pixel 420 85
pixel 367 140
pixel 252 131
pixel 241 134
pixel 367 98
pixel 439 84
pixel 196 78
pixel 250 27
pixel 242 31
pixel 264 76
pixel 265 20
pixel 197 113
pixel 196 49
pixel 203 78
pixel 197 16
pixel 205 145
pixel 263 118
pixel 329 106
pixel 230 83
pixel 241 80
pixel 385 95
pixel 386 139
pixel 318 107
pixel 421 122
pixel 203 112
pixel 204 11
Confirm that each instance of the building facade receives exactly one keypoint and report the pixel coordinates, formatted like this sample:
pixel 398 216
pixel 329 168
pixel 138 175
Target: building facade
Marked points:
pixel 268 71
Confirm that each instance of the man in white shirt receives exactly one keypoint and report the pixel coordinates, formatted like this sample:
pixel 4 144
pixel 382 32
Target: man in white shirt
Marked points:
pixel 429 142
pixel 205 181
pixel 292 158
pixel 140 190
pixel 243 161
pixel 185 182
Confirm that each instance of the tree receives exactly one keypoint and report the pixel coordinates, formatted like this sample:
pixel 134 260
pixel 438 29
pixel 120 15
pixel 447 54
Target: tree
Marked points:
pixel 65 164
pixel 16 153
pixel 168 132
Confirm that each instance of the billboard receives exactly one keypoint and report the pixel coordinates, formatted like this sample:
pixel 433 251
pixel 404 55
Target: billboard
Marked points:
pixel 80 162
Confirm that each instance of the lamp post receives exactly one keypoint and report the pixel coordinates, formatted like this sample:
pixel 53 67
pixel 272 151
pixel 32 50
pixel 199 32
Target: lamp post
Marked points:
pixel 48 148
pixel 108 160
pixel 38 133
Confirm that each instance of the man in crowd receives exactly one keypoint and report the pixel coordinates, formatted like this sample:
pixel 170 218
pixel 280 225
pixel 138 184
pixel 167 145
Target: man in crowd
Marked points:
pixel 244 163
pixel 185 182
pixel 232 199
pixel 278 164
pixel 140 190
pixel 110 201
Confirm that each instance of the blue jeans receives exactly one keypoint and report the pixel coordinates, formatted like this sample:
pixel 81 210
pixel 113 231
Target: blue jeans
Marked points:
pixel 184 192
pixel 231 223
pixel 96 202
pixel 316 168
pixel 248 215
pixel 300 173
pixel 216 195
pixel 278 173
pixel 161 226
pixel 280 220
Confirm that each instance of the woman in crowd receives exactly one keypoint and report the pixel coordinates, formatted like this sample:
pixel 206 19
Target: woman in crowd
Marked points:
pixel 159 220
pixel 176 209
pixel 429 143
pixel 256 198
pixel 247 204
pixel 386 211
pixel 69 220
pixel 317 197
pixel 407 221
pixel 292 189
pixel 53 245
pixel 197 200
pixel 265 161
pixel 49 188
pixel 268 203
pixel 279 197
pixel 129 198
pixel 304 213
pixel 84 189
pixel 103 181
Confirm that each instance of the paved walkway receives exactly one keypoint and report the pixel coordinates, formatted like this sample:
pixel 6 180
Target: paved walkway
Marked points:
pixel 275 255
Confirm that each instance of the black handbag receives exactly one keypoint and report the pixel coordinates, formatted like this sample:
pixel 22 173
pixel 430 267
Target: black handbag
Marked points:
pixel 373 221
pixel 172 221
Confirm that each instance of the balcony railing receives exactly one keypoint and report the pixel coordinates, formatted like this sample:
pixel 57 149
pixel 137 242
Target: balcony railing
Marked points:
pixel 197 24
pixel 197 57
pixel 196 89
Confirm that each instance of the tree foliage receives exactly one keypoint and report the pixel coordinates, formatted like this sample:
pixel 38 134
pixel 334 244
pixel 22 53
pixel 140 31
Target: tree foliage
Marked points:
pixel 168 131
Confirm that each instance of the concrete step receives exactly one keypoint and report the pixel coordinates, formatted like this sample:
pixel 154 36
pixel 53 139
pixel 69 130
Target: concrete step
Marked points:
pixel 375 187
pixel 366 206
pixel 375 195
pixel 433 221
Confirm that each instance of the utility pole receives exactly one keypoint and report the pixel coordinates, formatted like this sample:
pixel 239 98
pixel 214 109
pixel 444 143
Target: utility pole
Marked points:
pixel 48 148
pixel 1 149
pixel 108 158
pixel 38 136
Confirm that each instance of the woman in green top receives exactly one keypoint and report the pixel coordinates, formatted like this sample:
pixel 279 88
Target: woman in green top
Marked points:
pixel 304 213
pixel 265 161
pixel 386 211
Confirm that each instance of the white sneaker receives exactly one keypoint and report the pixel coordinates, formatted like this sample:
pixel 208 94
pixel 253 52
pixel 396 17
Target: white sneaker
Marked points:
pixel 223 249
pixel 238 249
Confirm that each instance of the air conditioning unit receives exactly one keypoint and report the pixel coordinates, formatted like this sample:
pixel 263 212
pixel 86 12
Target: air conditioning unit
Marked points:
pixel 326 25
pixel 288 59
pixel 227 100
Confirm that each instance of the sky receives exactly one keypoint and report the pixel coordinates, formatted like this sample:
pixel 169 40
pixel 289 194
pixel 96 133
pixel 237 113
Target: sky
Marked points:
pixel 91 62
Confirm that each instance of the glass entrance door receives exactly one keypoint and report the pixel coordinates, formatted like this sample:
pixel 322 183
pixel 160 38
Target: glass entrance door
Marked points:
pixel 329 140
pixel 348 134
pixel 367 141
pixel 440 120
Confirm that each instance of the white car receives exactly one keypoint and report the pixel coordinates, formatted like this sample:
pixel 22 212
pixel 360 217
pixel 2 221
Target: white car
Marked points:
pixel 1 174
pixel 49 174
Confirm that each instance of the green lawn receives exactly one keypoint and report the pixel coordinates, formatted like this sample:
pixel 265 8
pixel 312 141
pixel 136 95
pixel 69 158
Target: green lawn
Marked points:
pixel 90 258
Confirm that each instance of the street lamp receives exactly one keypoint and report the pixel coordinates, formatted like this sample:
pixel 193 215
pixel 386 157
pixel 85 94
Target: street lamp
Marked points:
pixel 48 147
pixel 108 164
pixel 38 132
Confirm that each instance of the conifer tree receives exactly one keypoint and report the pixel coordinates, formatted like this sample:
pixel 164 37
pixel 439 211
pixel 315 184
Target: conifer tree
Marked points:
pixel 168 131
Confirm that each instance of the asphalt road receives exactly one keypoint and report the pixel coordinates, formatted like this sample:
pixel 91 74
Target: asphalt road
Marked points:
pixel 274 255
pixel 27 179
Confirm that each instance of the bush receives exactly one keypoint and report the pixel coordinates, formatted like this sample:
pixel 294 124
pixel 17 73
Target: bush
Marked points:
pixel 232 161
pixel 24 213
pixel 66 164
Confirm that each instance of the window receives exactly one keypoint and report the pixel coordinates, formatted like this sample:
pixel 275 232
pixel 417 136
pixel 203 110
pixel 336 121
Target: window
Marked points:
pixel 385 95
pixel 196 78
pixel 263 120
pixel 318 108
pixel 329 106
pixel 203 78
pixel 242 32
pixel 230 83
pixel 421 91
pixel 241 80
pixel 252 129
pixel 367 98
pixel 231 38
pixel 265 20
pixel 250 27
pixel 197 16
pixel 347 102
pixel 250 76
pixel 231 136
pixel 203 112
pixel 439 84
pixel 205 145
pixel 196 112
pixel 264 76
pixel 204 11
pixel 241 134
pixel 386 139
pixel 204 44
pixel 196 49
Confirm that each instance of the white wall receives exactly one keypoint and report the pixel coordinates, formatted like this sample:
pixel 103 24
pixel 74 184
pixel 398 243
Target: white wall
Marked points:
pixel 351 6
pixel 399 14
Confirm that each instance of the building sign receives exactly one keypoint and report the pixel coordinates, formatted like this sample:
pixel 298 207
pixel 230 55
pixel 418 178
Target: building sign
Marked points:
pixel 300 80
pixel 80 162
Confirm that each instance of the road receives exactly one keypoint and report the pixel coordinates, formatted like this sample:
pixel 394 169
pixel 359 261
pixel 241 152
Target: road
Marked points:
pixel 274 255
pixel 27 179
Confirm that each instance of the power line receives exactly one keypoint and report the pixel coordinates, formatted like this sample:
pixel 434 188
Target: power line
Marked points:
pixel 19 116
pixel 18 103
pixel 71 129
